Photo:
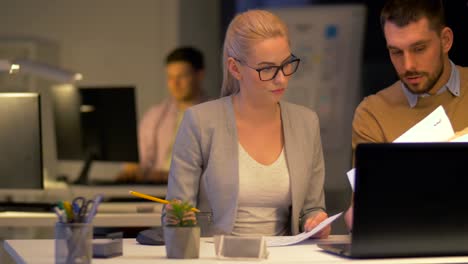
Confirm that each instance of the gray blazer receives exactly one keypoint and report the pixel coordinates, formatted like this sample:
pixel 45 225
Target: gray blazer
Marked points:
pixel 204 169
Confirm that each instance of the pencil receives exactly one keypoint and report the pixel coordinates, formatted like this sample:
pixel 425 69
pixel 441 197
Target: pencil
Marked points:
pixel 154 199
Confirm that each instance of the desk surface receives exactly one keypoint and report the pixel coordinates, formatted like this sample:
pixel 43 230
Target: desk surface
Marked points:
pixel 42 251
pixel 109 215
pixel 117 191
pixel 25 219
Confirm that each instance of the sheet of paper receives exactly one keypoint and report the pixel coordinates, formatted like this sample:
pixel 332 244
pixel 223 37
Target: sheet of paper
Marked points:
pixel 350 175
pixel 435 127
pixel 463 138
pixel 277 241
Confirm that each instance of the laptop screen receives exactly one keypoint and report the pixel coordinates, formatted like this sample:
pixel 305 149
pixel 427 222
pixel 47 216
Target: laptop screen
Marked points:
pixel 410 199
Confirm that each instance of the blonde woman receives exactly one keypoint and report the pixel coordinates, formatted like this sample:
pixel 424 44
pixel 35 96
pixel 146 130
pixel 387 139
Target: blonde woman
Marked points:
pixel 250 162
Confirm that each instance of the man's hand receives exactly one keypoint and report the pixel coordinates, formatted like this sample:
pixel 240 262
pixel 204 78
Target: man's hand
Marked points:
pixel 313 221
pixel 158 176
pixel 132 172
pixel 348 217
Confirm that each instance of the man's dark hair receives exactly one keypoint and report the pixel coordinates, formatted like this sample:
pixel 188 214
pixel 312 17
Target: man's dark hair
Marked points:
pixel 187 54
pixel 403 12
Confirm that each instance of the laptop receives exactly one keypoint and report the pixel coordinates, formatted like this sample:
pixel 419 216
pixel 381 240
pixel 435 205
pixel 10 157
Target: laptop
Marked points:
pixel 410 201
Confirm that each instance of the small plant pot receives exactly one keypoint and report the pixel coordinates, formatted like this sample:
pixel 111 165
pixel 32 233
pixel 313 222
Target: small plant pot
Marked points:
pixel 182 242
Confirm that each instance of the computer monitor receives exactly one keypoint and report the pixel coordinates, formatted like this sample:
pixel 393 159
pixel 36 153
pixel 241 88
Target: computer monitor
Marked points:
pixel 95 123
pixel 20 141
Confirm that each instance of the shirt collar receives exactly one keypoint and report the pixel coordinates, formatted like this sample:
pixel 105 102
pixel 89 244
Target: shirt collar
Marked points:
pixel 453 85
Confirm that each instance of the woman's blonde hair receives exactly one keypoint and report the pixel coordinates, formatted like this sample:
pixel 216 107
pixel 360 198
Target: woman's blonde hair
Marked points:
pixel 244 30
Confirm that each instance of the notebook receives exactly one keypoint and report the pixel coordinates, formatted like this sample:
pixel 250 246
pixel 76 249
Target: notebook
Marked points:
pixel 410 201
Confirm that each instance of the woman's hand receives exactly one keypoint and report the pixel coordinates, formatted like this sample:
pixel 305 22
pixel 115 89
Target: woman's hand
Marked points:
pixel 315 220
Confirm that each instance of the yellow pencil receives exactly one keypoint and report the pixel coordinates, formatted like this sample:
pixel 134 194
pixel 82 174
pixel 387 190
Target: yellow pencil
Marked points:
pixel 68 210
pixel 154 199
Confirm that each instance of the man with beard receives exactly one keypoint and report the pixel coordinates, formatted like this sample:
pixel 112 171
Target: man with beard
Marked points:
pixel 418 42
pixel 158 127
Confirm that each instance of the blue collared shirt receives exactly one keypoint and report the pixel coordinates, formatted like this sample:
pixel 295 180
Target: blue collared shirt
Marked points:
pixel 453 85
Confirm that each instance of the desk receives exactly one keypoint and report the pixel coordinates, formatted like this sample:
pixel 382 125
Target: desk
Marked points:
pixel 27 219
pixel 42 251
pixel 68 192
pixel 109 215
pixel 117 191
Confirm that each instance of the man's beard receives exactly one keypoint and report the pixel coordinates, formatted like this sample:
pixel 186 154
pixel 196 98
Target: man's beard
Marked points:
pixel 431 79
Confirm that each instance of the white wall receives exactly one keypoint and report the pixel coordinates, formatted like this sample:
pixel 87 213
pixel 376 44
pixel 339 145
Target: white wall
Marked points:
pixel 117 42
pixel 110 42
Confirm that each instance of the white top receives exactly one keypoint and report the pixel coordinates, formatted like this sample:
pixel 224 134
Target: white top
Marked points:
pixel 264 197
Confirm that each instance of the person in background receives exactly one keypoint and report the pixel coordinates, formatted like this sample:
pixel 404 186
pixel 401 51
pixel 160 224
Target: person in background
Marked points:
pixel 252 163
pixel 418 43
pixel 157 129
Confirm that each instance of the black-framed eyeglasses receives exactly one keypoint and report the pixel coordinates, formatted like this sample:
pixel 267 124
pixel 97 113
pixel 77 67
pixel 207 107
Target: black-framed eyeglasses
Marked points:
pixel 269 73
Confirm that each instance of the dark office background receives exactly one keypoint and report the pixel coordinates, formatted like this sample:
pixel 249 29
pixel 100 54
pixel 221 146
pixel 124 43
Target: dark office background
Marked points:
pixel 377 70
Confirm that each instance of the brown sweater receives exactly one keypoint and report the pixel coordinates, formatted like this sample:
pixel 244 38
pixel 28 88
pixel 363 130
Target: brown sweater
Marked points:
pixel 385 116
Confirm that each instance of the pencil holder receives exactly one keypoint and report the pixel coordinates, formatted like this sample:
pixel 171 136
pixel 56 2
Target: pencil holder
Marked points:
pixel 73 243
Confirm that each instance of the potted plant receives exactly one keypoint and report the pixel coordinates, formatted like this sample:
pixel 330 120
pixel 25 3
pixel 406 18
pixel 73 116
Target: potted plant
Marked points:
pixel 181 232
